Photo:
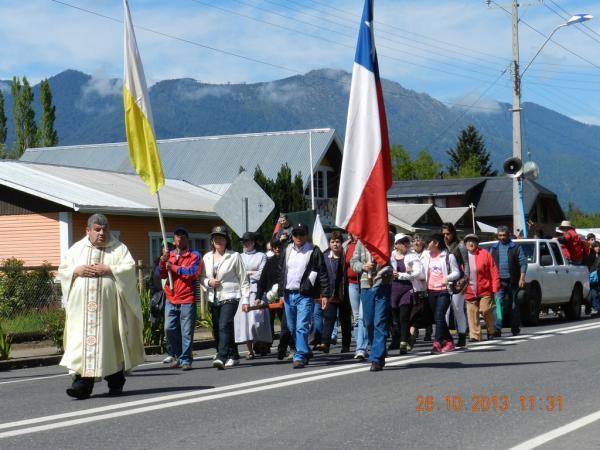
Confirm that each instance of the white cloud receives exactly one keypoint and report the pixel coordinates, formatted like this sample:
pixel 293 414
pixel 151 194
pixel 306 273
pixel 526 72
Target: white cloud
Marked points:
pixel 100 84
pixel 199 91
pixel 589 120
pixel 472 103
pixel 280 92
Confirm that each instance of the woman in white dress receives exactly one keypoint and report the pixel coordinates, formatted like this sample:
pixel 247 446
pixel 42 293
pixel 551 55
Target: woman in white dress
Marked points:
pixel 252 325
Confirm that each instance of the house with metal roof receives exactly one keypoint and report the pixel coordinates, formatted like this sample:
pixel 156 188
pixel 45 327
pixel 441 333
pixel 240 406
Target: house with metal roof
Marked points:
pixel 44 209
pixel 491 196
pixel 213 162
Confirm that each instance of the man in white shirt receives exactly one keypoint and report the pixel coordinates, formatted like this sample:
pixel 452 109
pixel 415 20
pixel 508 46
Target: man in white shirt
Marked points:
pixel 303 278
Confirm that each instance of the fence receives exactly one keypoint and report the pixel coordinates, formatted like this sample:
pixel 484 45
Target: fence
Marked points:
pixel 29 298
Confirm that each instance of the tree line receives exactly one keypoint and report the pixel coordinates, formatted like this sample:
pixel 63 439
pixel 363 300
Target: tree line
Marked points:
pixel 28 133
pixel 467 159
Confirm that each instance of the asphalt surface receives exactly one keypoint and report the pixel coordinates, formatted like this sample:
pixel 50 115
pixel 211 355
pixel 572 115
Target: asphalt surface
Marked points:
pixel 494 395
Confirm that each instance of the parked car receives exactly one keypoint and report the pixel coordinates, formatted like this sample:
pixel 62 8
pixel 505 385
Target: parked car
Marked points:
pixel 551 281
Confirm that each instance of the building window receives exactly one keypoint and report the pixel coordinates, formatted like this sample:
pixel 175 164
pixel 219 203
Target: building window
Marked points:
pixel 320 180
pixel 440 202
pixel 198 241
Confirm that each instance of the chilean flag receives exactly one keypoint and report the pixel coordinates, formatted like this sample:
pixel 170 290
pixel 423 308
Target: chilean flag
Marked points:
pixel 366 166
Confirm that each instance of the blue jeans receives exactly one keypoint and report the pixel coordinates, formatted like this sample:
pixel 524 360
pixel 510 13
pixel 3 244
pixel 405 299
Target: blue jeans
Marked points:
pixel 316 327
pixel 180 322
pixel 595 298
pixel 298 311
pixel 439 302
pixel 376 309
pixel 506 289
pixel 360 334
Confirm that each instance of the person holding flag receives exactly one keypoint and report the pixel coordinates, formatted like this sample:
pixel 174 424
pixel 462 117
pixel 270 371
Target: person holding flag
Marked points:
pixel 366 176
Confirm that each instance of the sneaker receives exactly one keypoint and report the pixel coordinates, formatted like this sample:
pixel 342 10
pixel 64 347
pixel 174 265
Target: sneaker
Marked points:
pixel 436 348
pixel 218 364
pixel 376 367
pixel 168 360
pixel 403 348
pixel 186 366
pixel 448 347
pixel 412 340
pixel 232 362
pixel 298 364
pixel 360 355
pixel 174 364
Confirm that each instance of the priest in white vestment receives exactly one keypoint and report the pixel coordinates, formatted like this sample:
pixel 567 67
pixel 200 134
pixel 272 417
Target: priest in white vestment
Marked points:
pixel 104 324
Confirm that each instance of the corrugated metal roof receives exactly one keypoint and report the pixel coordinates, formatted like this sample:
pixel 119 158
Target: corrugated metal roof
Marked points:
pixel 92 190
pixel 427 188
pixel 204 160
pixel 452 215
pixel 409 213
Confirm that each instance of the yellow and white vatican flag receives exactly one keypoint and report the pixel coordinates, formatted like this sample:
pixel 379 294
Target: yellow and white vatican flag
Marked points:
pixel 139 125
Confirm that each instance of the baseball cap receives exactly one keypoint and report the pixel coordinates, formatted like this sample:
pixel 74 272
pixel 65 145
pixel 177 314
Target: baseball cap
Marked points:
pixel 219 230
pixel 181 232
pixel 299 229
pixel 471 237
pixel 401 237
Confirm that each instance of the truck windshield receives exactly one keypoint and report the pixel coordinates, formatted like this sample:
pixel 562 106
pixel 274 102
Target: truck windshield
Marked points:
pixel 527 247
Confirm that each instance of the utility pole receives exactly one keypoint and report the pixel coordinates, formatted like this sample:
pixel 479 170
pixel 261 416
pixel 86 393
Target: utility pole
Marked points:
pixel 518 223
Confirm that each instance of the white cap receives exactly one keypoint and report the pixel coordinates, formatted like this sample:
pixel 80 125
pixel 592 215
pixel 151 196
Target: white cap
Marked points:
pixel 400 237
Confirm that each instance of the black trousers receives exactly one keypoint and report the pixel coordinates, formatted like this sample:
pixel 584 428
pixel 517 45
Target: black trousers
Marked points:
pixel 222 319
pixel 285 337
pixel 333 312
pixel 400 325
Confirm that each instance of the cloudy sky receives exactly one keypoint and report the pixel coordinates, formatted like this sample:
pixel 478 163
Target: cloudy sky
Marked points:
pixel 458 51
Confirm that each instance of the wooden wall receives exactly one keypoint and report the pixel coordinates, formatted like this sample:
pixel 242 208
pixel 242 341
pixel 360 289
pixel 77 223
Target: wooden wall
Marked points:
pixel 34 238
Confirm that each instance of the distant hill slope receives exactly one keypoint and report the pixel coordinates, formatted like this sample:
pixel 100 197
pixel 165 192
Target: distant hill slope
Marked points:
pixel 89 110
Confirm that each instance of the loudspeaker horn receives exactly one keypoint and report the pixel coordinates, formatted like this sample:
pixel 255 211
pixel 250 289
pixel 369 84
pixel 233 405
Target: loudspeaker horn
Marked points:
pixel 513 167
pixel 531 171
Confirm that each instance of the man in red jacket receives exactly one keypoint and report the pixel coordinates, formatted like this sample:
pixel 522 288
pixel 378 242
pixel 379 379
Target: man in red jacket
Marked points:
pixel 484 282
pixel 571 240
pixel 185 266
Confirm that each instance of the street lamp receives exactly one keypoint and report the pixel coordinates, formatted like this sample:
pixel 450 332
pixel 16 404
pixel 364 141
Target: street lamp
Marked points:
pixel 577 18
pixel 518 212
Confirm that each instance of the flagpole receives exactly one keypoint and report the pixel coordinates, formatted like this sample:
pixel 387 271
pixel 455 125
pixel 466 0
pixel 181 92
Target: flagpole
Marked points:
pixel 312 176
pixel 164 238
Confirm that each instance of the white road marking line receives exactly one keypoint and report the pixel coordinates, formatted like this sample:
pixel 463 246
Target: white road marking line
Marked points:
pixel 558 432
pixel 34 379
pixel 539 335
pixel 198 392
pixel 189 401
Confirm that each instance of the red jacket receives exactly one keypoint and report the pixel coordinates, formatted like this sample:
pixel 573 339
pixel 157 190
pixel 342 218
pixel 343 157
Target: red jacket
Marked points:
pixel 488 278
pixel 185 270
pixel 574 245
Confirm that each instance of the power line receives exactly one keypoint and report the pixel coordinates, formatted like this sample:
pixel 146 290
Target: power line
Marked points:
pixel 565 18
pixel 380 54
pixel 582 24
pixel 545 37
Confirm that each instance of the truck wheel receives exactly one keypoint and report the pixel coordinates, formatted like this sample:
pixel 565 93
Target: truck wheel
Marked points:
pixel 573 308
pixel 530 300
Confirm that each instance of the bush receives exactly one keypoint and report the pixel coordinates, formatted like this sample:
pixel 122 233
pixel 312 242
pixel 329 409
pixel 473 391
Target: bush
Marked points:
pixel 5 344
pixel 54 327
pixel 22 290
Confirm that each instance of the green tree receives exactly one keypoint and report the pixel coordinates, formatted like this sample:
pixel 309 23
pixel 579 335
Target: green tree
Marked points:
pixel 423 167
pixel 47 134
pixel 23 115
pixel 3 129
pixel 580 219
pixel 287 193
pixel 469 169
pixel 470 143
pixel 402 167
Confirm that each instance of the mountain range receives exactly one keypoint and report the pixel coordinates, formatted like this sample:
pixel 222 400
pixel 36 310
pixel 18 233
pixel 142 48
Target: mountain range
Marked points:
pixel 89 110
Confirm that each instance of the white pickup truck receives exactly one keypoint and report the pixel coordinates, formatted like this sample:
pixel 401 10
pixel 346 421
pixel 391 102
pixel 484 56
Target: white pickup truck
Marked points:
pixel 551 281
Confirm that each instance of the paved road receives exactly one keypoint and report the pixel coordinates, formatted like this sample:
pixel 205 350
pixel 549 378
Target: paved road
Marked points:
pixel 495 395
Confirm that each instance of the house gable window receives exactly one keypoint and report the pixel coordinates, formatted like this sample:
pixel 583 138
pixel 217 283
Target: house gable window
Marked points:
pixel 321 182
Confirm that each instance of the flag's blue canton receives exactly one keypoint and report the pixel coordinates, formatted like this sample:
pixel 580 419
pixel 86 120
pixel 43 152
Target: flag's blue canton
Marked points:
pixel 365 48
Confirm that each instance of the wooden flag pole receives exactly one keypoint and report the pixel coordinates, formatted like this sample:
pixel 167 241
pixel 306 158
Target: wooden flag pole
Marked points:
pixel 164 239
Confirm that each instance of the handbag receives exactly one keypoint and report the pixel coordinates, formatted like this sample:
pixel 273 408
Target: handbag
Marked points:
pixel 157 304
pixel 457 286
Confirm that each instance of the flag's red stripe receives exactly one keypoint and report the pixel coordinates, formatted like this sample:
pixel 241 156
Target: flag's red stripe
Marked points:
pixel 369 222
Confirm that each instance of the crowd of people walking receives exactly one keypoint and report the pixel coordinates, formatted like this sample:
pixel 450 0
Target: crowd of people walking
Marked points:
pixel 436 284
